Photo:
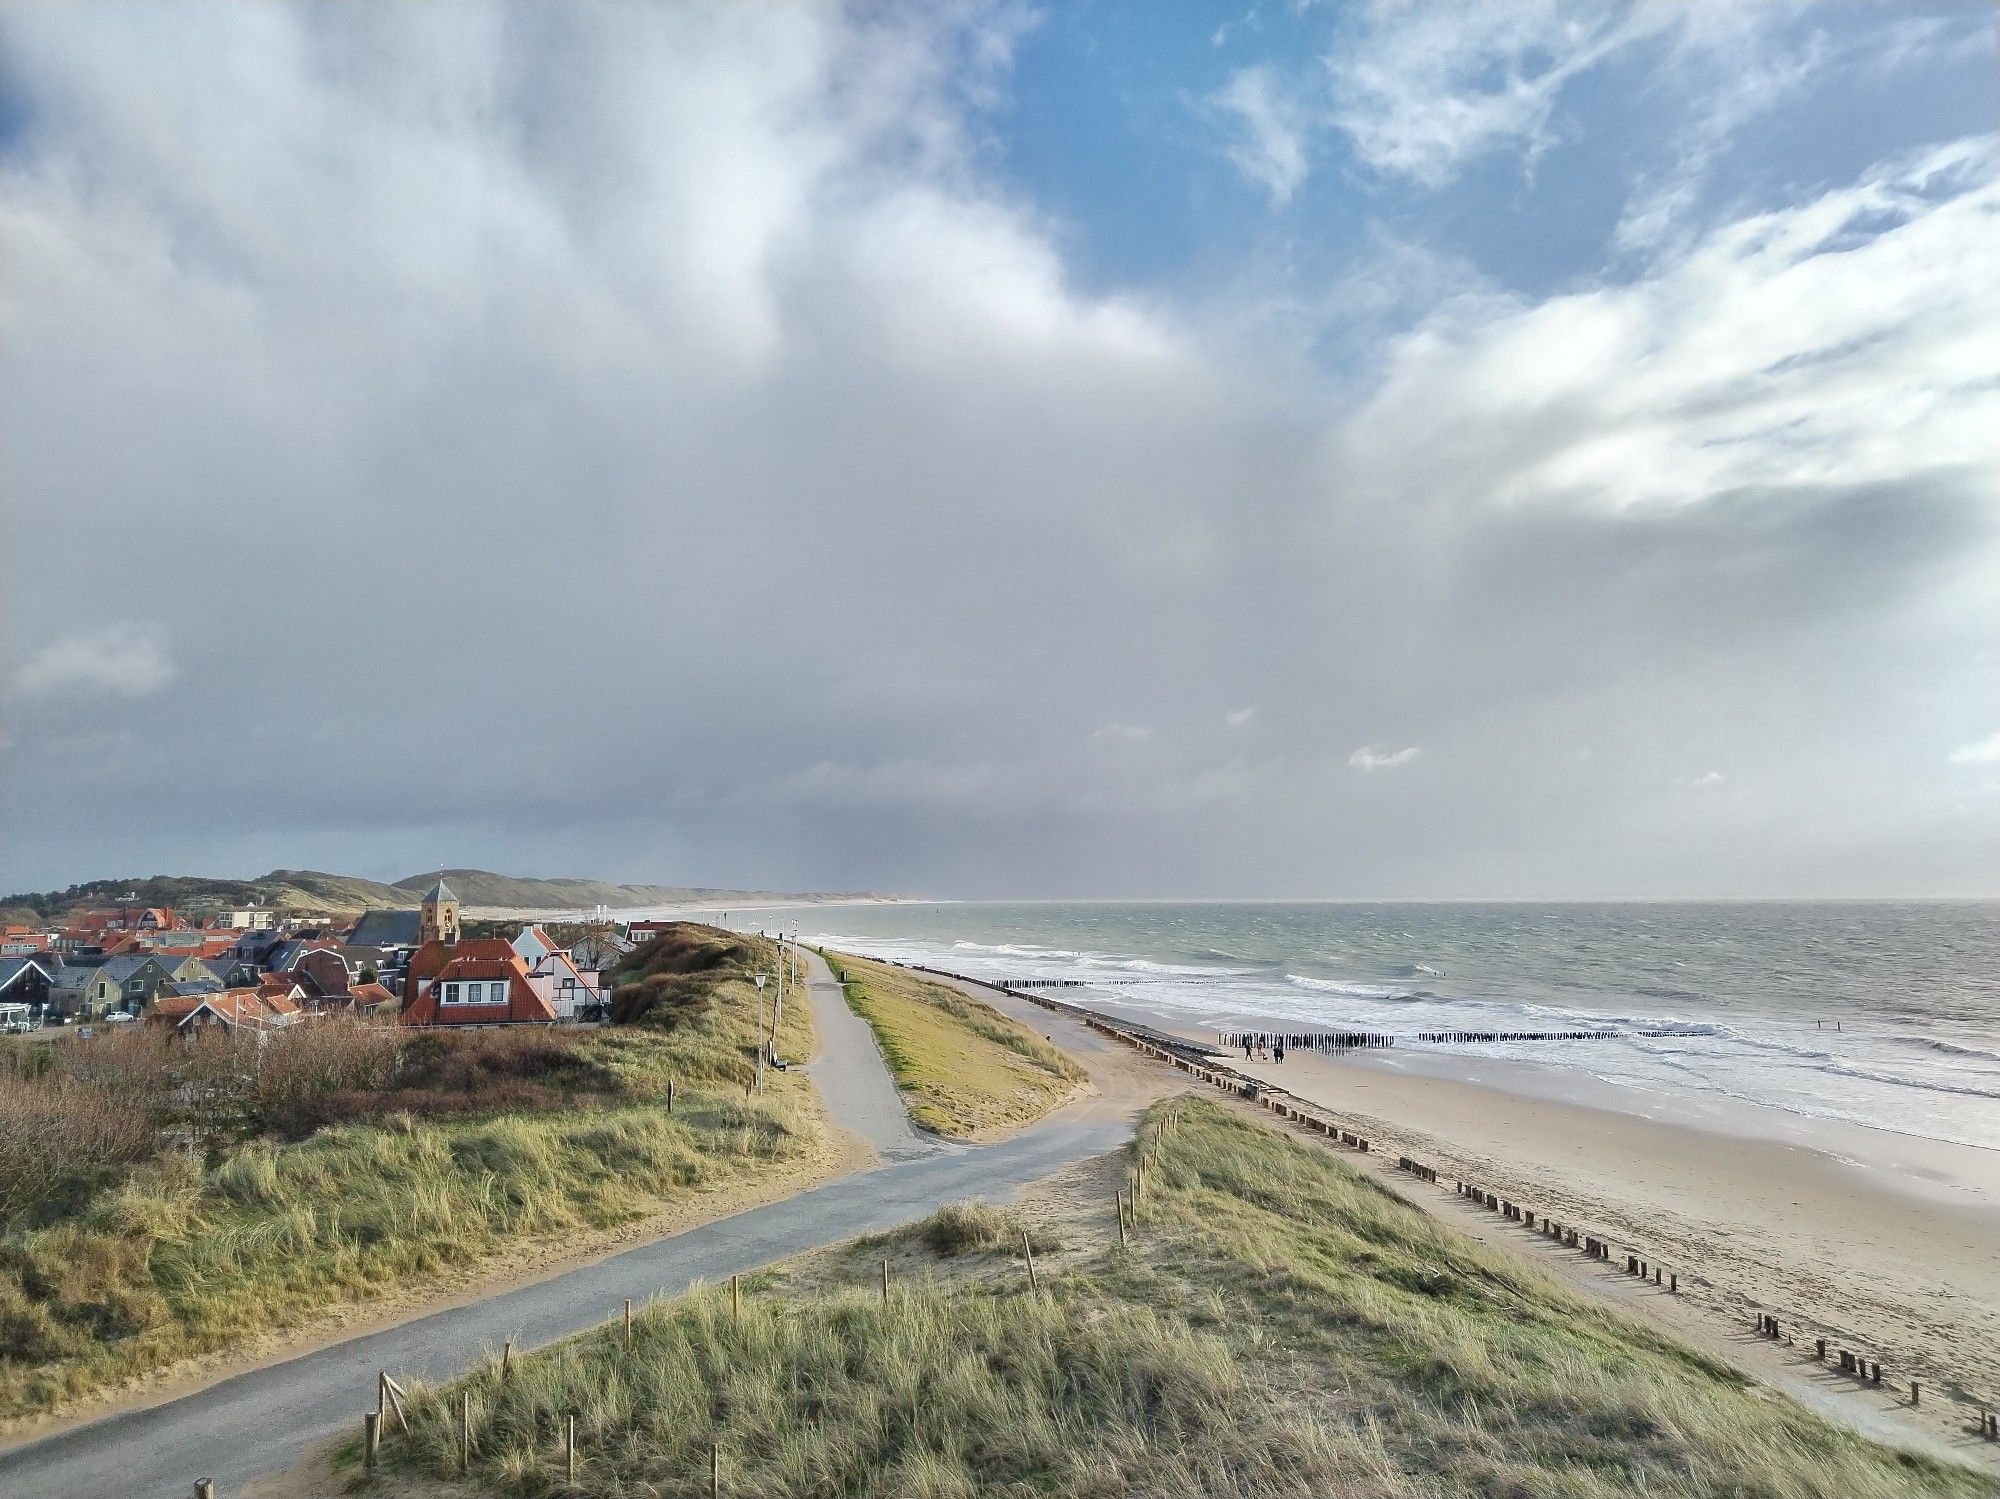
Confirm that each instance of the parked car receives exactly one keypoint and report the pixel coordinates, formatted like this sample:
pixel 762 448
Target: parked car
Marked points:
pixel 119 1017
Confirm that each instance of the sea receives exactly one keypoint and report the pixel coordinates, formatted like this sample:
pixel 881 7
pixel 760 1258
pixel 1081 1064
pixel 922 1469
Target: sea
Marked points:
pixel 1878 1013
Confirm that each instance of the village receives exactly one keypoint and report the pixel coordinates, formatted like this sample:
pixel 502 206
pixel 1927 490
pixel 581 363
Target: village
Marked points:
pixel 255 969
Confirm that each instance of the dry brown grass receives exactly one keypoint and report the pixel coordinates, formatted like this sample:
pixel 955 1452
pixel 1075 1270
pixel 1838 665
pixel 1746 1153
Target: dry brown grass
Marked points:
pixel 964 1068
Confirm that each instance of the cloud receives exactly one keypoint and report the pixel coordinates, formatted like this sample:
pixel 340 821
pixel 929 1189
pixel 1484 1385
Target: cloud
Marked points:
pixel 1421 90
pixel 1372 757
pixel 117 661
pixel 1838 342
pixel 1707 780
pixel 1236 718
pixel 659 442
pixel 1980 752
pixel 1267 132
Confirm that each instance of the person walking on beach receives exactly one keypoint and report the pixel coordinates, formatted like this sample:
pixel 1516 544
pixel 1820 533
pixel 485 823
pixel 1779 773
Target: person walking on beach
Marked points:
pixel 1278 1054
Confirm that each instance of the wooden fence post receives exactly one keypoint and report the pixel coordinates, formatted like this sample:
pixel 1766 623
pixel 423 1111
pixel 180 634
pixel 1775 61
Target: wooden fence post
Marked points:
pixel 465 1431
pixel 736 1297
pixel 714 1470
pixel 885 1282
pixel 628 1324
pixel 506 1360
pixel 204 1488
pixel 1122 1241
pixel 569 1449
pixel 1034 1283
pixel 670 1096
pixel 371 1440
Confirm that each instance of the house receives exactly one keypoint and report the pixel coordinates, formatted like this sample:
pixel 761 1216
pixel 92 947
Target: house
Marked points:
pixel 253 946
pixel 282 986
pixel 26 981
pixel 248 919
pixel 572 991
pixel 126 918
pixel 480 982
pixel 637 932
pixel 24 942
pixel 233 972
pixel 182 967
pixel 323 973
pixel 533 944
pixel 126 982
pixel 599 950
pixel 370 999
pixel 231 1009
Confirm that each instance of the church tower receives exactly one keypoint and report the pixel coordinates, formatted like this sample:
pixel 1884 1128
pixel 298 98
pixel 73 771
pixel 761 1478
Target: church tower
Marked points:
pixel 438 916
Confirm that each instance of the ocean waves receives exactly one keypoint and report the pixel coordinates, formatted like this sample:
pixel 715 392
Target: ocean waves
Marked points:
pixel 1757 1012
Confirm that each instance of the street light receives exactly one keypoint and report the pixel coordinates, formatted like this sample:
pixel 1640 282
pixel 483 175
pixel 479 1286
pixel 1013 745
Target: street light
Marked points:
pixel 760 1033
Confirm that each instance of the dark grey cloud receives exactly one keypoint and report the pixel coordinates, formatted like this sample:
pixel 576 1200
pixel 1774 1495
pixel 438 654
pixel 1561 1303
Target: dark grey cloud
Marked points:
pixel 643 443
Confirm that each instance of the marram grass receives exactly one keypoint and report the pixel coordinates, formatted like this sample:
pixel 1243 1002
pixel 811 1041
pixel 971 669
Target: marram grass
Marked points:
pixel 1281 1325
pixel 183 1259
pixel 963 1067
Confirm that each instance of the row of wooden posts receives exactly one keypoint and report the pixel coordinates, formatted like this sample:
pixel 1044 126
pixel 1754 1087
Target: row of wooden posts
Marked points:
pixel 390 1395
pixel 1567 1235
pixel 1596 1247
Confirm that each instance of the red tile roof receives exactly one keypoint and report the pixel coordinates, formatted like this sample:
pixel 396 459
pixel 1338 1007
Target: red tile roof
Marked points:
pixel 481 960
pixel 231 1007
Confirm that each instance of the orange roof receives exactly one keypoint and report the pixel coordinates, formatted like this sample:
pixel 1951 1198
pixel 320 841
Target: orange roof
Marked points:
pixel 476 961
pixel 232 1006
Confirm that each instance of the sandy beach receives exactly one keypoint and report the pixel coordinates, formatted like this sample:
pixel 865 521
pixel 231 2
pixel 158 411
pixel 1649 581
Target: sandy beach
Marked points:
pixel 1880 1241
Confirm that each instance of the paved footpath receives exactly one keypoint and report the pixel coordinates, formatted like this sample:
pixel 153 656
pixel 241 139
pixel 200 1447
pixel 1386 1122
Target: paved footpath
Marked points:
pixel 265 1420
pixel 853 1078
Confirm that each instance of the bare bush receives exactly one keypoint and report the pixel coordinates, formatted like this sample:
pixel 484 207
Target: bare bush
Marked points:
pixel 59 1136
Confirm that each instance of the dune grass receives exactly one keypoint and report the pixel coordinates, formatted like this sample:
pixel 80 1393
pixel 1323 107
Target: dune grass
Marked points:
pixel 1280 1325
pixel 185 1257
pixel 964 1068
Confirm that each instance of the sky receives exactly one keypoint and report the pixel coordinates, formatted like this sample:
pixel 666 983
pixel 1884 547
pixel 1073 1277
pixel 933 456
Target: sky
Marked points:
pixel 1537 450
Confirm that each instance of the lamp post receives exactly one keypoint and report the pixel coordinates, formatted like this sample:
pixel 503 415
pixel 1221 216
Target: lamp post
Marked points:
pixel 760 1033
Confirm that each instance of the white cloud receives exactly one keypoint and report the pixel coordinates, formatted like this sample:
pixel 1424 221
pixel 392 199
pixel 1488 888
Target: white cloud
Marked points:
pixel 1267 132
pixel 1124 731
pixel 1844 341
pixel 1707 780
pixel 1236 718
pixel 1423 89
pixel 1373 757
pixel 1980 752
pixel 118 660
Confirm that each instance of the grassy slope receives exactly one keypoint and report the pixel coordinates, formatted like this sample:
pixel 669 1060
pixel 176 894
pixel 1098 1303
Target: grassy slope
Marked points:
pixel 482 887
pixel 1281 1326
pixel 194 895
pixel 964 1068
pixel 184 1260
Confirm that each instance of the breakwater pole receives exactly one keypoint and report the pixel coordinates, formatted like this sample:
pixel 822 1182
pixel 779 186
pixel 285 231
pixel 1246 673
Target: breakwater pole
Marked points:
pixel 1200 1062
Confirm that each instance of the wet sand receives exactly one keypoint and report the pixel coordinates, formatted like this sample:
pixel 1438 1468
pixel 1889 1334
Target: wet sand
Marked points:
pixel 1886 1243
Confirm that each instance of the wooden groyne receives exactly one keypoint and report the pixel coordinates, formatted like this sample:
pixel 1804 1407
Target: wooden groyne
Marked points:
pixel 1635 1262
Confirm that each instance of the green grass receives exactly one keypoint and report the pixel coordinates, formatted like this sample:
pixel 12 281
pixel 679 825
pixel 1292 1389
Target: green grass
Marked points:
pixel 183 1258
pixel 963 1067
pixel 1280 1326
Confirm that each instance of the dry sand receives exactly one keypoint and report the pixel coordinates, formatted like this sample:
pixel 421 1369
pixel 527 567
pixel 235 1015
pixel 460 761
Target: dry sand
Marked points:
pixel 1884 1243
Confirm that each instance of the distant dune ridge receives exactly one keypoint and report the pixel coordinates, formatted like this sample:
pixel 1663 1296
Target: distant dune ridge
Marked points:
pixel 335 894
